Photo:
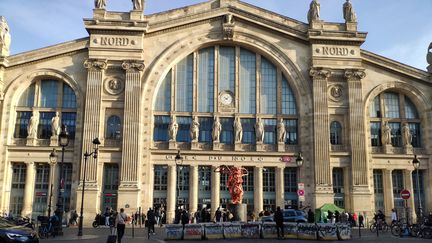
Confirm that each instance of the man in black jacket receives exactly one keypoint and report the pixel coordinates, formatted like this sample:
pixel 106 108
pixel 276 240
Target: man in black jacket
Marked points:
pixel 278 218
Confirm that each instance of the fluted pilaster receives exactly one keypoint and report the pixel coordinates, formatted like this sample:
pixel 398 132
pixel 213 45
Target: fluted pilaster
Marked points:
pixel 193 188
pixel 29 189
pixel 171 193
pixel 215 190
pixel 258 190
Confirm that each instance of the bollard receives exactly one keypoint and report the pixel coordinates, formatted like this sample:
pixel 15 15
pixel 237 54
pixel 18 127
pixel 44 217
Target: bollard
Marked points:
pixel 133 229
pixel 140 217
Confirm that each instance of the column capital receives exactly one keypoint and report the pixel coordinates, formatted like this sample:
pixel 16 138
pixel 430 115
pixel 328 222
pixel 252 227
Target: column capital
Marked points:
pixel 96 64
pixel 320 73
pixel 133 65
pixel 29 163
pixel 354 74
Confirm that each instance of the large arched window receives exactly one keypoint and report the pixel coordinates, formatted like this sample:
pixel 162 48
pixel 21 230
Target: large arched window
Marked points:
pixel 46 97
pixel 227 80
pixel 335 133
pixel 113 130
pixel 396 109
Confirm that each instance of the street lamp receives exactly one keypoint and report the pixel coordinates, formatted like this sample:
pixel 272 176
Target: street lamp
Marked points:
pixel 63 141
pixel 299 159
pixel 96 144
pixel 178 161
pixel 53 160
pixel 416 164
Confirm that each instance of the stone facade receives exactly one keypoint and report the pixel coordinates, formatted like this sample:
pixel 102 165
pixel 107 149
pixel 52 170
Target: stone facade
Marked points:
pixel 119 69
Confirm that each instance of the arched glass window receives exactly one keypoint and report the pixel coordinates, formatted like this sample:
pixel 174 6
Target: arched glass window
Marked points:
pixel 206 80
pixel 46 97
pixel 113 128
pixel 268 87
pixel 335 133
pixel 398 109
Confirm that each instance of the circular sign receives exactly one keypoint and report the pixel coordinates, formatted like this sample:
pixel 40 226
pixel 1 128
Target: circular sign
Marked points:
pixel 300 192
pixel 405 194
pixel 127 206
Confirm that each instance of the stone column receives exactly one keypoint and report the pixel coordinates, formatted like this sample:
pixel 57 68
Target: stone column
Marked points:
pixel 29 189
pixel 280 185
pixel 408 182
pixel 193 188
pixel 215 190
pixel 54 179
pixel 171 193
pixel 258 190
pixel 323 184
pixel 129 173
pixel 388 192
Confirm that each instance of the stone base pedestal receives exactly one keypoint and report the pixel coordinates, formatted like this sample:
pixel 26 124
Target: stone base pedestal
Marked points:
pixel 54 141
pixel 351 26
pixel 99 13
pixel 172 144
pixel 388 149
pixel 91 194
pixel 260 147
pixel 136 15
pixel 408 149
pixel 194 145
pixel 238 146
pixel 323 195
pixel 281 147
pixel 217 146
pixel 239 211
pixel 127 197
pixel 31 142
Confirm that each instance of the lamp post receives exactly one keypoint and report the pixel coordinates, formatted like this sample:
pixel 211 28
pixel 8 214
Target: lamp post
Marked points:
pixel 96 144
pixel 299 162
pixel 53 160
pixel 178 161
pixel 63 141
pixel 416 164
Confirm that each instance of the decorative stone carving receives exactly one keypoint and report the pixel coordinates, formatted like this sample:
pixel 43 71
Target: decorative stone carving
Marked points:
pixel 429 58
pixel 314 11
pixel 173 128
pixel 319 73
pixel 386 134
pixel 238 130
pixel 217 128
pixel 194 129
pixel 355 74
pixel 281 130
pixel 100 4
pixel 5 39
pixel 336 92
pixel 228 27
pixel 259 131
pixel 138 5
pixel 406 135
pixel 32 127
pixel 114 85
pixel 94 64
pixel 133 66
pixel 348 12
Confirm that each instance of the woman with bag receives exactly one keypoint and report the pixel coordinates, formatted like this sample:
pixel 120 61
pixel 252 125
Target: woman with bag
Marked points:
pixel 120 224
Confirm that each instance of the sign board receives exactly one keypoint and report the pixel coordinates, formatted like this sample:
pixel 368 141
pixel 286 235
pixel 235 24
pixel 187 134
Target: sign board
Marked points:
pixel 41 194
pixel 405 194
pixel 286 159
pixel 300 186
pixel 300 192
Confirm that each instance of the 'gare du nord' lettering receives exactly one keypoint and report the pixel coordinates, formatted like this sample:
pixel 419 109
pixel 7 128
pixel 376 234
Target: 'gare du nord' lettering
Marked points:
pixel 114 41
pixel 335 51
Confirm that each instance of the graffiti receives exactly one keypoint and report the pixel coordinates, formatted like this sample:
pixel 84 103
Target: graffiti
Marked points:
pixel 290 230
pixel 251 231
pixel 269 230
pixel 344 231
pixel 232 231
pixel 173 232
pixel 327 232
pixel 213 231
pixel 307 231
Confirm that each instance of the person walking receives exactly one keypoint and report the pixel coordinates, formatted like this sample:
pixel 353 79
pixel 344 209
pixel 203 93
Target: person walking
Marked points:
pixel 394 217
pixel 151 220
pixel 311 216
pixel 218 215
pixel 184 218
pixel 107 216
pixel 120 224
pixel 278 218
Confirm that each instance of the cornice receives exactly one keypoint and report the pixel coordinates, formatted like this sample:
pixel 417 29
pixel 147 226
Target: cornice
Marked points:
pixel 391 65
pixel 49 52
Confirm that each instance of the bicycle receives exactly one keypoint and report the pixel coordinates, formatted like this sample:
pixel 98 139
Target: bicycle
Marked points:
pixel 45 230
pixel 381 225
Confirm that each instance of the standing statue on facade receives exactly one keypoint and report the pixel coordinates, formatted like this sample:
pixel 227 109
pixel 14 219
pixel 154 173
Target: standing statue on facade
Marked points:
pixel 33 124
pixel 281 131
pixel 173 128
pixel 406 135
pixel 138 4
pixel 386 134
pixel 100 4
pixel 55 125
pixel 314 11
pixel 217 128
pixel 5 39
pixel 238 130
pixel 194 129
pixel 348 12
pixel 234 182
pixel 259 131
pixel 429 58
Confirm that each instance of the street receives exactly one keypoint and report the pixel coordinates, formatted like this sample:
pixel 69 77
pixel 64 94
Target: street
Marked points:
pixel 99 235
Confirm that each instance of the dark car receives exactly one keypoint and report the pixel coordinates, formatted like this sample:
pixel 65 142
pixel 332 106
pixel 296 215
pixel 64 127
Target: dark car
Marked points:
pixel 10 232
pixel 292 215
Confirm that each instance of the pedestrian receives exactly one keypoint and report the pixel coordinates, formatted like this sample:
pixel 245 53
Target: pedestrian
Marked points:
pixel 151 220
pixel 278 218
pixel 337 216
pixel 361 220
pixel 218 215
pixel 120 224
pixel 311 216
pixel 107 216
pixel 355 218
pixel 394 217
pixel 330 217
pixel 184 218
pixel 162 217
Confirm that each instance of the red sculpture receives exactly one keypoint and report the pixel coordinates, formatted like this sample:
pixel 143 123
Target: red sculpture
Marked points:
pixel 235 181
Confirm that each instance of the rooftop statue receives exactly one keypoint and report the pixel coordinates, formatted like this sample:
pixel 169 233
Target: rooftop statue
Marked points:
pixel 101 4
pixel 429 58
pixel 5 38
pixel 314 11
pixel 348 12
pixel 138 4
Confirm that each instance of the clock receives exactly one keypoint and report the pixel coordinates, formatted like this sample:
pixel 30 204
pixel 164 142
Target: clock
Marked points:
pixel 226 98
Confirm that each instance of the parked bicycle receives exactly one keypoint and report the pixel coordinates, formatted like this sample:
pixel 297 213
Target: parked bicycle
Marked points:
pixel 380 225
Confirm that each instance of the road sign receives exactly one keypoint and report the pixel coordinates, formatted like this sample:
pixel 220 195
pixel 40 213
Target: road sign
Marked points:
pixel 300 186
pixel 300 192
pixel 405 194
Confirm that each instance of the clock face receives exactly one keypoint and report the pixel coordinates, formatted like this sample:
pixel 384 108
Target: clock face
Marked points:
pixel 226 99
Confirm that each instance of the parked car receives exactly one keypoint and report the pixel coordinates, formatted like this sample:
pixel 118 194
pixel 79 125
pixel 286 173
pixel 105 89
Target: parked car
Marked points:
pixel 10 232
pixel 292 215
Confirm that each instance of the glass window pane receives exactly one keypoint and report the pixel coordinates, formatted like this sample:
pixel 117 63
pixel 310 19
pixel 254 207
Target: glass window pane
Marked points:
pixel 247 82
pixel 410 109
pixel 396 138
pixel 270 131
pixel 227 69
pixel 204 179
pixel 338 187
pixel 44 128
pixel 183 134
pixel 268 87
pixel 375 128
pixel 335 133
pixel 160 178
pixel 69 120
pixel 288 100
pixel 291 131
pixel 227 134
pixel 205 130
pixel 113 128
pixel 69 98
pixel 161 125
pixel 290 180
pixel 22 121
pixel 206 80
pixel 27 98
pixel 49 93
pixel 184 85
pixel 248 126
pixel 375 109
pixel 398 186
pixel 391 105
pixel 163 98
pixel 415 133
pixel 269 179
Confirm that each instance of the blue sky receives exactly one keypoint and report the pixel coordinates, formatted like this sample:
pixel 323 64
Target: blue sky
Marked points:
pixel 398 29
